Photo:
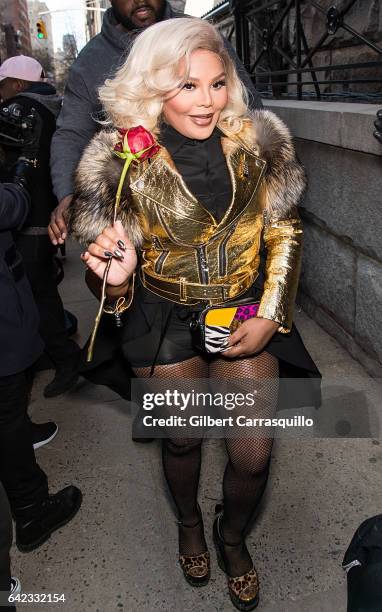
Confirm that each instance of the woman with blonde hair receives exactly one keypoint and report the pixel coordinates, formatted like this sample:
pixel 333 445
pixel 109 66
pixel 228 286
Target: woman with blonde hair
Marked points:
pixel 209 183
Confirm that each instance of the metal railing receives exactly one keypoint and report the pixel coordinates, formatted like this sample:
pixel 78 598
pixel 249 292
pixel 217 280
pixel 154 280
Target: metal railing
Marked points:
pixel 285 61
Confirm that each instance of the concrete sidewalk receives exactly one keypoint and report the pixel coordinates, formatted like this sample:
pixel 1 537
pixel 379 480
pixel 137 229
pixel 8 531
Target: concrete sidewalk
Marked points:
pixel 120 552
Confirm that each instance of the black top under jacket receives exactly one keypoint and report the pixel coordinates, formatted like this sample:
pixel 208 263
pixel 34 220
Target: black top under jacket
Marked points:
pixel 203 167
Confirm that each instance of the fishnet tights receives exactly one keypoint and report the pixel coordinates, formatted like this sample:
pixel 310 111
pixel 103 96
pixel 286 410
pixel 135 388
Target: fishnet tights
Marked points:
pixel 181 459
pixel 246 472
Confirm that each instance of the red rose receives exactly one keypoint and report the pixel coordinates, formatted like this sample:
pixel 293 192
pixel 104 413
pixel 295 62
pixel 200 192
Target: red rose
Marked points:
pixel 136 140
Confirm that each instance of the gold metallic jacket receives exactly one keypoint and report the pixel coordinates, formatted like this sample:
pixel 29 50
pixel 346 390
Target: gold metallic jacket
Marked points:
pixel 186 255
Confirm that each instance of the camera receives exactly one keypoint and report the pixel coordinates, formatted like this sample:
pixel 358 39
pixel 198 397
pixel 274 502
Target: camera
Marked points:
pixel 16 126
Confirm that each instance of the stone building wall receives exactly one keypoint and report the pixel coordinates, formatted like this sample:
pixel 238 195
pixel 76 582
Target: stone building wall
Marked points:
pixel 341 279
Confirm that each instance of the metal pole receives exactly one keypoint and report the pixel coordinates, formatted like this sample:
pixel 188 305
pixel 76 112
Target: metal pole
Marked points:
pixel 298 47
pixel 246 49
pixel 239 31
pixel 42 13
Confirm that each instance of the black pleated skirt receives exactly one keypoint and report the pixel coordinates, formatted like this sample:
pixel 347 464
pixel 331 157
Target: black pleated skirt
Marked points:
pixel 157 331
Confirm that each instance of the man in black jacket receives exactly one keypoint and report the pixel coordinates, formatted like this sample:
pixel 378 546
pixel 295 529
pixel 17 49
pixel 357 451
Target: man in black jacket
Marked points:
pixel 37 514
pixel 97 61
pixel 21 85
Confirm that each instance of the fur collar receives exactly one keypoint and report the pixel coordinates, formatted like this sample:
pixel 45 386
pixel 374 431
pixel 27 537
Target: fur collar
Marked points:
pixel 98 173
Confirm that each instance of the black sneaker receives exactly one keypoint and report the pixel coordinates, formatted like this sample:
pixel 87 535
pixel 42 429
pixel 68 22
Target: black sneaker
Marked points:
pixel 35 523
pixel 43 433
pixel 15 586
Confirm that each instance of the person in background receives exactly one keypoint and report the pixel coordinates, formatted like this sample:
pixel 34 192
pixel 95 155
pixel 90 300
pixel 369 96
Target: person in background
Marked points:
pixel 21 84
pixel 37 513
pixel 363 565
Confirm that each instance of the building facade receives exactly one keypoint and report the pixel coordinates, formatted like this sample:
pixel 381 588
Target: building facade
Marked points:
pixel 15 31
pixel 94 18
pixel 69 45
pixel 277 40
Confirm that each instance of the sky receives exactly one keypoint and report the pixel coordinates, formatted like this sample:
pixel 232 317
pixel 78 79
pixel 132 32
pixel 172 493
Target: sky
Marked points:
pixel 198 7
pixel 68 22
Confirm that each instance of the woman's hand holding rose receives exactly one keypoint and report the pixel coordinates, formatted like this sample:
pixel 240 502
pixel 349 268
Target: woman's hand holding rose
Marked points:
pixel 113 242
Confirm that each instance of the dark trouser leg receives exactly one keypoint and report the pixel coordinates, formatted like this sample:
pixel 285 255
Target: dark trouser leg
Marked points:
pixel 42 277
pixel 5 545
pixel 23 480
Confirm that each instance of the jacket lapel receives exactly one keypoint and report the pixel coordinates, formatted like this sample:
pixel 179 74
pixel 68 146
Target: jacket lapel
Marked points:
pixel 246 170
pixel 161 182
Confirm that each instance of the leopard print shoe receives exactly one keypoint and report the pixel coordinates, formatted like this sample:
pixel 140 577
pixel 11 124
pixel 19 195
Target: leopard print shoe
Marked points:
pixel 243 590
pixel 196 569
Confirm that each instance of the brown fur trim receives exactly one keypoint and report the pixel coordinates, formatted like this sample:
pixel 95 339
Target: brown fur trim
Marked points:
pixel 99 170
pixel 285 180
pixel 95 187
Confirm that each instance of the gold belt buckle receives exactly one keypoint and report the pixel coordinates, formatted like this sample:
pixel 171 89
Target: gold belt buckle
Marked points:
pixel 182 295
pixel 225 292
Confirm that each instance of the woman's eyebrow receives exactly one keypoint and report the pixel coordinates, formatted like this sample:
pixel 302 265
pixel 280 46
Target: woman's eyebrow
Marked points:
pixel 191 78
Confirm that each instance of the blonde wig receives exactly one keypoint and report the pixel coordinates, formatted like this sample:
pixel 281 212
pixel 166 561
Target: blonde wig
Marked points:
pixel 134 96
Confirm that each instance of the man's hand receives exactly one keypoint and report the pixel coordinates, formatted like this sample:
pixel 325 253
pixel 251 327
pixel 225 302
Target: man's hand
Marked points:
pixel 251 337
pixel 57 228
pixel 113 242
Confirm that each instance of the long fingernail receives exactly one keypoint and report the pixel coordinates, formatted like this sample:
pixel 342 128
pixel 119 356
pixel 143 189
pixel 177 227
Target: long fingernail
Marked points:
pixel 118 254
pixel 121 245
pixel 108 254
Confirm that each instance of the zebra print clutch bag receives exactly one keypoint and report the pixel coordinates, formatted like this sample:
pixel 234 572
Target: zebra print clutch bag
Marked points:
pixel 211 327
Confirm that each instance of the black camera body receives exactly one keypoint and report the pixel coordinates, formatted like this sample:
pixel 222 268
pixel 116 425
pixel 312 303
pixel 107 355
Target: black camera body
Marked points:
pixel 16 127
